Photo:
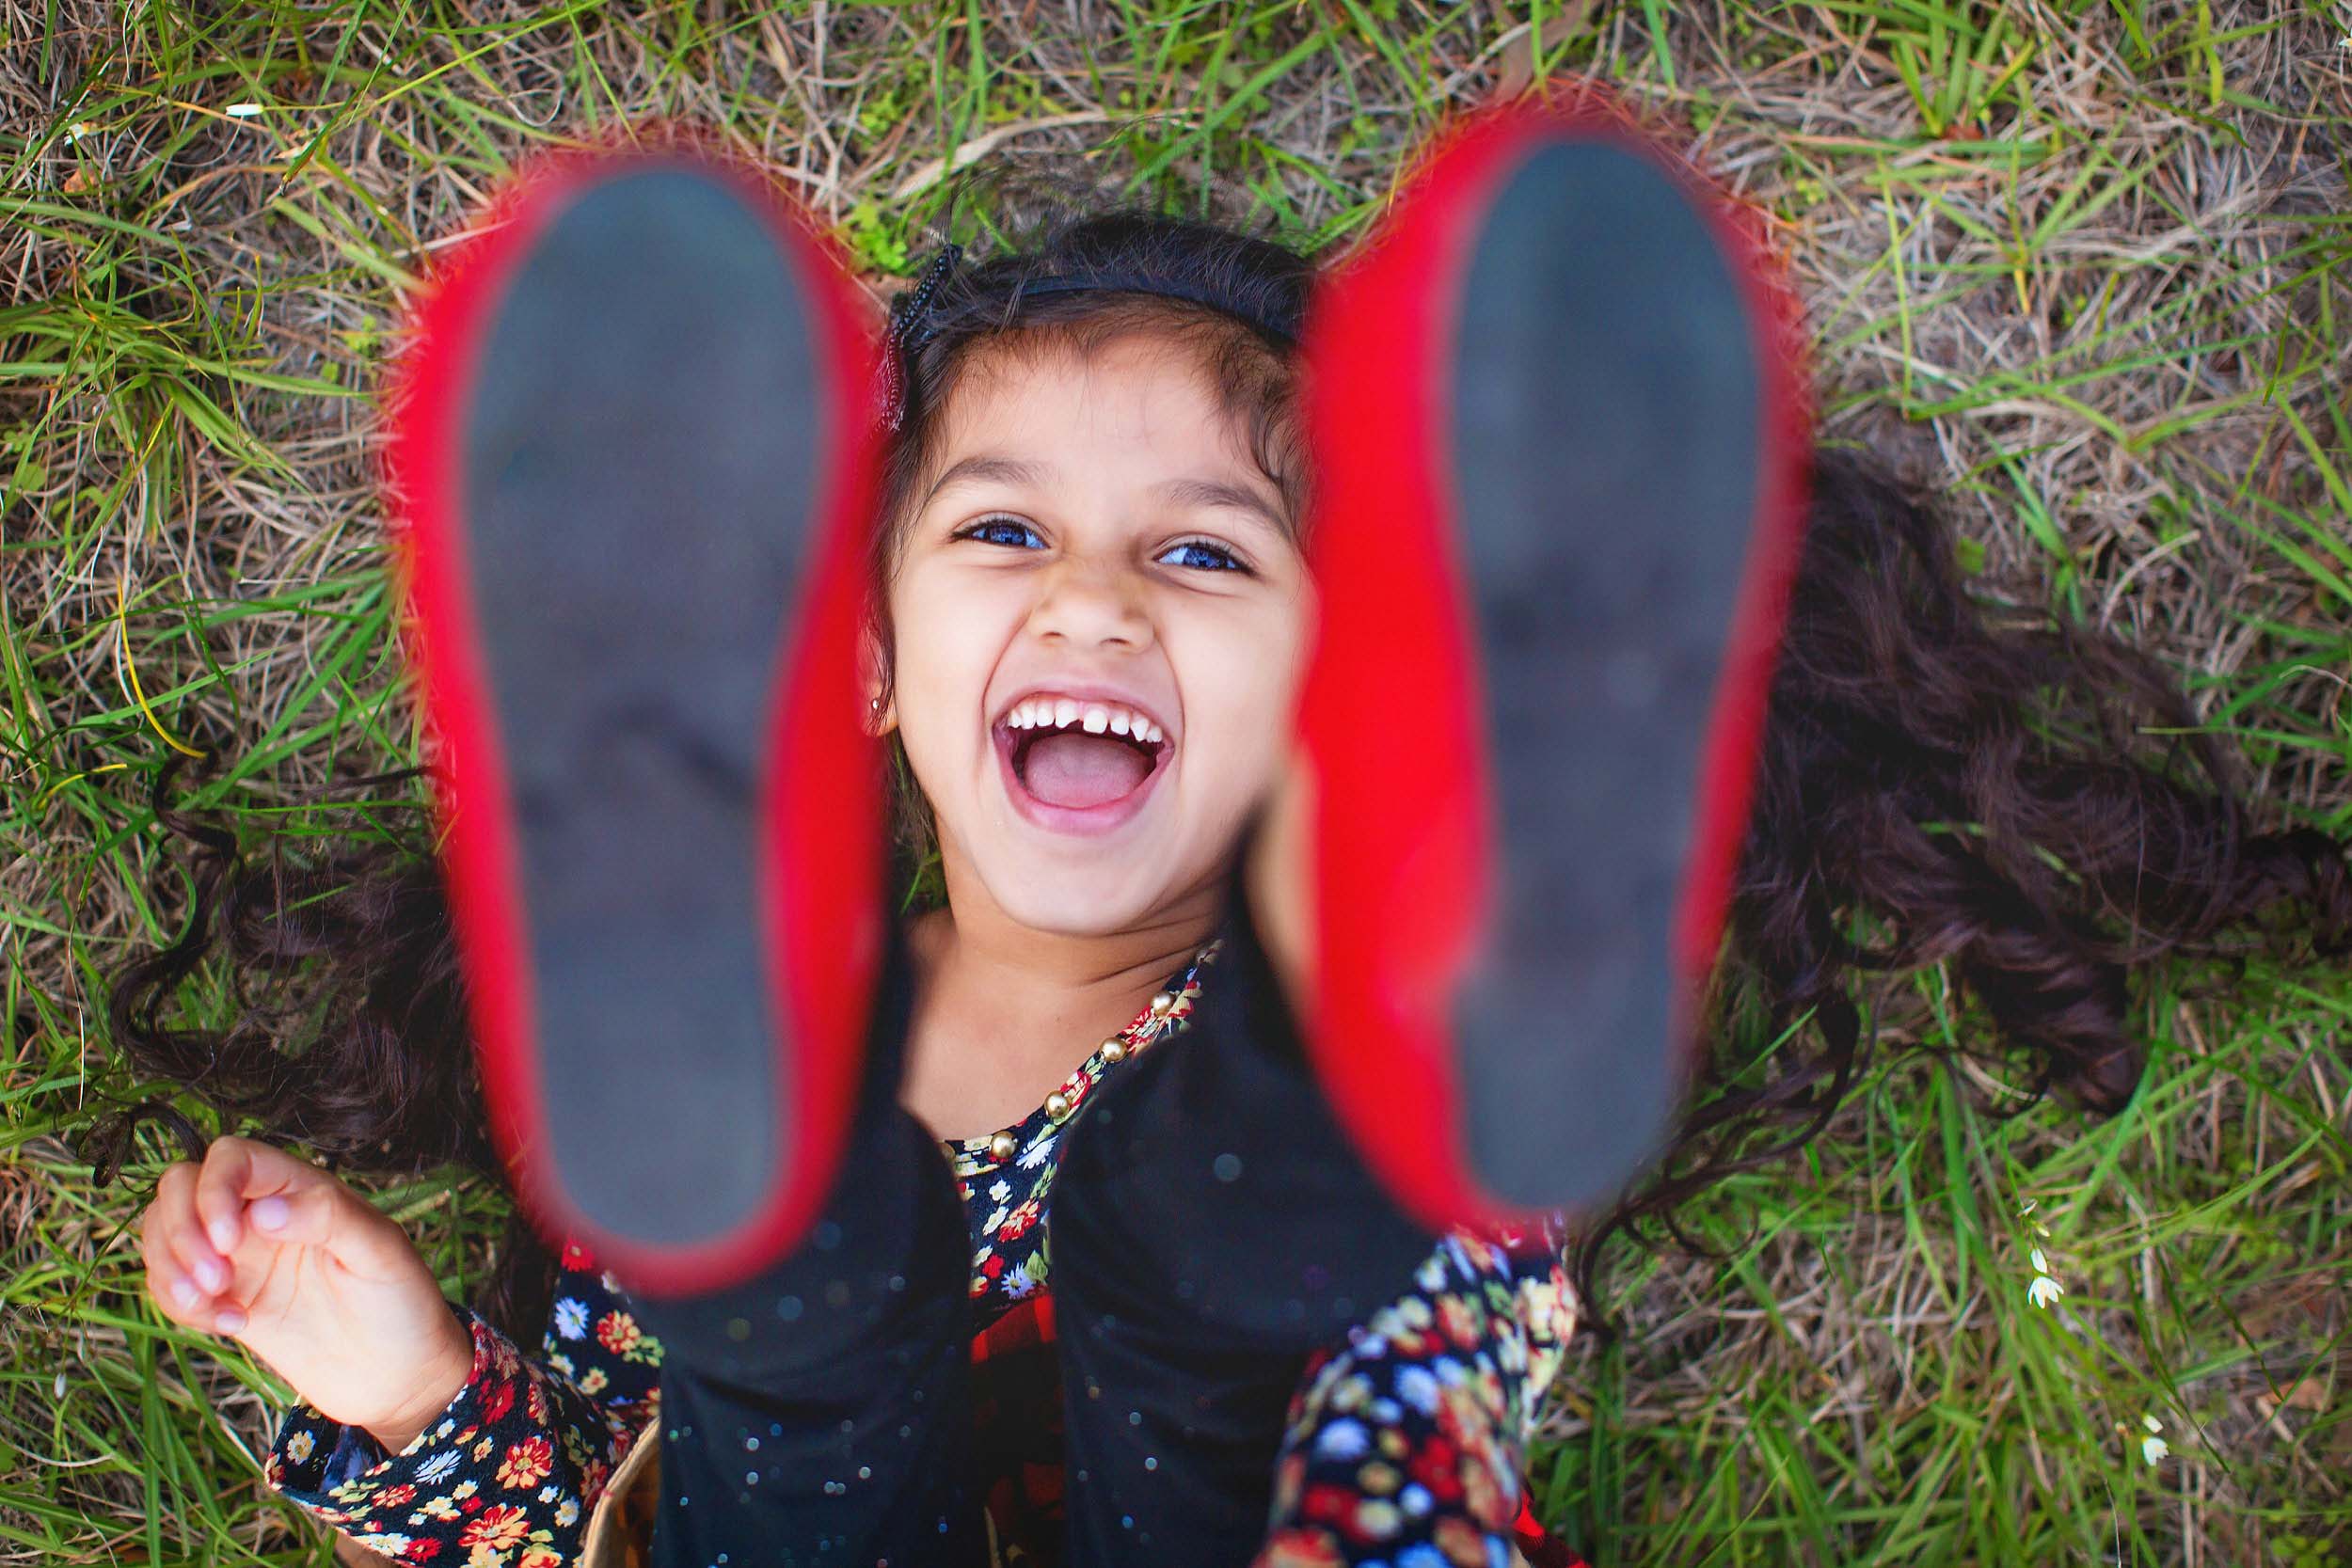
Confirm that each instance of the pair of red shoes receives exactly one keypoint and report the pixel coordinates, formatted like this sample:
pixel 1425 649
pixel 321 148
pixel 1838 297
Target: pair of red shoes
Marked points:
pixel 1559 434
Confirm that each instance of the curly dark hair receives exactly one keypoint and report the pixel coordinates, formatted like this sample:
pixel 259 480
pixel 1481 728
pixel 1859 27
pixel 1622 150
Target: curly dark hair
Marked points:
pixel 2027 798
pixel 1978 782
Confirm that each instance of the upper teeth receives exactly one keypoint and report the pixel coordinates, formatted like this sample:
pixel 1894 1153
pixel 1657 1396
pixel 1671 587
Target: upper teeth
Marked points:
pixel 1060 713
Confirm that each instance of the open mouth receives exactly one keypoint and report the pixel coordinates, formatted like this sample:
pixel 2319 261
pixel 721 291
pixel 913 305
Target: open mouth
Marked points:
pixel 1064 775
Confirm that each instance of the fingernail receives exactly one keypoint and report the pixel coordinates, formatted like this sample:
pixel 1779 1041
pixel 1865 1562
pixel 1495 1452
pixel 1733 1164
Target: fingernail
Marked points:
pixel 224 1234
pixel 269 1213
pixel 184 1293
pixel 210 1275
pixel 229 1319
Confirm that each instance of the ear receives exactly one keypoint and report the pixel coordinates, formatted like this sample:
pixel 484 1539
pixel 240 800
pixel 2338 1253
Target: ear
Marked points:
pixel 871 667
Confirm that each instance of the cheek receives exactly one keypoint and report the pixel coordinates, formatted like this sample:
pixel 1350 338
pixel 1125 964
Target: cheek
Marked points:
pixel 1239 693
pixel 948 637
pixel 1261 658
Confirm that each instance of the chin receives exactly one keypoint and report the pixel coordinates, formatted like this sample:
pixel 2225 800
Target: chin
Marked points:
pixel 1079 901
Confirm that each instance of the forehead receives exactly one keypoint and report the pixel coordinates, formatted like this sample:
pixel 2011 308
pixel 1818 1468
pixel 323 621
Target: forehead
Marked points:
pixel 1137 401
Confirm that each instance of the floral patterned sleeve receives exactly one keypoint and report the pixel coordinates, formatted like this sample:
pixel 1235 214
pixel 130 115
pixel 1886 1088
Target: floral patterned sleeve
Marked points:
pixel 505 1477
pixel 1404 1446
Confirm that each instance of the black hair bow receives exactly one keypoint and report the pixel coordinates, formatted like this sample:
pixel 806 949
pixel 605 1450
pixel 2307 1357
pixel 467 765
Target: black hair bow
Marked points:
pixel 910 328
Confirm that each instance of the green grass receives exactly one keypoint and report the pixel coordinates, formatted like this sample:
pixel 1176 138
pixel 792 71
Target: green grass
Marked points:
pixel 2085 259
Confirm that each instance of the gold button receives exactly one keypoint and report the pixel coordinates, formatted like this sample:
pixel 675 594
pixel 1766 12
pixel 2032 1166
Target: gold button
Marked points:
pixel 1114 1051
pixel 1001 1146
pixel 1058 1105
pixel 1160 1003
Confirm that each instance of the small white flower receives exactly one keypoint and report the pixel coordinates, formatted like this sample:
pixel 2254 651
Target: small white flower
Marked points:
pixel 2040 1264
pixel 571 1318
pixel 80 128
pixel 1344 1439
pixel 2043 1290
pixel 1417 1388
pixel 243 111
pixel 2151 1450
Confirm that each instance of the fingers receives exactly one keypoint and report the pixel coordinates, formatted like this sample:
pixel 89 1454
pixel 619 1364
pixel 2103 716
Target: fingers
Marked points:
pixel 184 1242
pixel 325 1213
pixel 308 1214
pixel 186 1276
pixel 236 1209
pixel 250 1191
pixel 234 1170
pixel 200 1217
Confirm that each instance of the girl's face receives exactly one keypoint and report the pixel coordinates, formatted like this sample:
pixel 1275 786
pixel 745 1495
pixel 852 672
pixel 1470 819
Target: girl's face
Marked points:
pixel 1094 535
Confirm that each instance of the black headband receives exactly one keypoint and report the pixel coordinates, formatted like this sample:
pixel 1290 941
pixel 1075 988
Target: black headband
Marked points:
pixel 911 323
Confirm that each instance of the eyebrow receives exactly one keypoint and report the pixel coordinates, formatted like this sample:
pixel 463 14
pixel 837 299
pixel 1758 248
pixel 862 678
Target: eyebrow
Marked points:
pixel 986 467
pixel 1217 492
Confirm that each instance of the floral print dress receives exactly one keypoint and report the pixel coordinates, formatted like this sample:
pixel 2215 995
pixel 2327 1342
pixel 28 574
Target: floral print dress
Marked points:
pixel 1402 1449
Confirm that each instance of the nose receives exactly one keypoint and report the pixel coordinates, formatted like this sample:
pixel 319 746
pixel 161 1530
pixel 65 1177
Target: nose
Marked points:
pixel 1091 604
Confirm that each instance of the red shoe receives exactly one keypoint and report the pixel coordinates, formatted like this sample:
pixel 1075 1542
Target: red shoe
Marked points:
pixel 636 445
pixel 1561 440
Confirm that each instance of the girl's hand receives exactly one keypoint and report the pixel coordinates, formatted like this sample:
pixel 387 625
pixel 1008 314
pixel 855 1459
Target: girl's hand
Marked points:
pixel 297 1268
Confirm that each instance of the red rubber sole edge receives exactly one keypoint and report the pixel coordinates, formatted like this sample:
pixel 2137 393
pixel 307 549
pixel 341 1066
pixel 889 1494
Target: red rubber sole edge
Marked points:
pixel 819 869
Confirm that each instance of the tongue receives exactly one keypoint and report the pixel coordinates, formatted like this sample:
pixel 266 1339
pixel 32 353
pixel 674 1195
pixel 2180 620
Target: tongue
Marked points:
pixel 1075 769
